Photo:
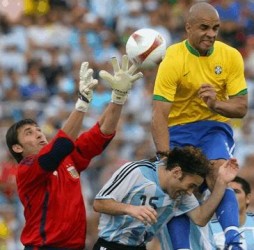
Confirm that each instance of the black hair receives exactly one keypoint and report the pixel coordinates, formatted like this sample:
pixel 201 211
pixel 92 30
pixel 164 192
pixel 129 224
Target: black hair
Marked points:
pixel 245 185
pixel 190 159
pixel 12 136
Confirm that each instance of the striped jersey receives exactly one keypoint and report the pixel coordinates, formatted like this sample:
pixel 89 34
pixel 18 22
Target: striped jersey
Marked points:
pixel 137 183
pixel 246 233
pixel 201 238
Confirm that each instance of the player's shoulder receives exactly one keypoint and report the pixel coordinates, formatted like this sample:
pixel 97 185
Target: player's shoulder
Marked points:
pixel 176 47
pixel 135 165
pixel 146 163
pixel 225 47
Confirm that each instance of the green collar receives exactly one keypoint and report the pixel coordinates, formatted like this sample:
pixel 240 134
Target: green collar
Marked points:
pixel 195 52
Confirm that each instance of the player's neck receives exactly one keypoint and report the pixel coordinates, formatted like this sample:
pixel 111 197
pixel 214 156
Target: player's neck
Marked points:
pixel 242 217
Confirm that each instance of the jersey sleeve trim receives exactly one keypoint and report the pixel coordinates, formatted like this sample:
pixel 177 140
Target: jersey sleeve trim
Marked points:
pixel 242 92
pixel 160 98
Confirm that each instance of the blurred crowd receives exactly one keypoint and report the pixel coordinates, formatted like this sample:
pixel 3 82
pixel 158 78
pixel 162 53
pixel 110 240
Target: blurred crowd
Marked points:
pixel 42 44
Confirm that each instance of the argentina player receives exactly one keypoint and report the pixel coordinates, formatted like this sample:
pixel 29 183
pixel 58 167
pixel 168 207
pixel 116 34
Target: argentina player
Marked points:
pixel 142 196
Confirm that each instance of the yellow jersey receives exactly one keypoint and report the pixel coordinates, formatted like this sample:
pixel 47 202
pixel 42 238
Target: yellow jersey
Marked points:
pixel 183 71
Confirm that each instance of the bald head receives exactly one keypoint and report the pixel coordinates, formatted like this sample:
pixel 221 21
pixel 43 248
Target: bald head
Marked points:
pixel 201 10
pixel 202 26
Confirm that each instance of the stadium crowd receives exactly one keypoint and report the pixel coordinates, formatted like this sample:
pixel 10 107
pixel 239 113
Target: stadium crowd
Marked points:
pixel 41 50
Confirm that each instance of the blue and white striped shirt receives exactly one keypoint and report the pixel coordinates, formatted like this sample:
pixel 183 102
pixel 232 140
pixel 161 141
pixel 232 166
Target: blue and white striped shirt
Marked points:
pixel 137 183
pixel 246 233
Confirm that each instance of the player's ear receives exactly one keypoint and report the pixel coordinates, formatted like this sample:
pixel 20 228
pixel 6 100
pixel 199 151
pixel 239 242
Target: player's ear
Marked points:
pixel 248 196
pixel 17 148
pixel 187 27
pixel 177 172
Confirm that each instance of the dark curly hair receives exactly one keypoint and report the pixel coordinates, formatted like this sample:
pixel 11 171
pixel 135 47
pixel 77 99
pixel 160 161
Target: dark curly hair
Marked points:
pixel 190 159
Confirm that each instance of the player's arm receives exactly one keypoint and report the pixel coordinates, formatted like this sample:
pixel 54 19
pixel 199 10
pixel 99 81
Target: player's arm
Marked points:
pixel 234 107
pixel 110 198
pixel 87 83
pixel 203 213
pixel 121 82
pixel 144 214
pixel 159 126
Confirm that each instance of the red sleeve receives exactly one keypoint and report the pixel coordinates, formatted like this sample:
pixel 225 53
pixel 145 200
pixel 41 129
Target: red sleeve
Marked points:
pixel 88 145
pixel 48 147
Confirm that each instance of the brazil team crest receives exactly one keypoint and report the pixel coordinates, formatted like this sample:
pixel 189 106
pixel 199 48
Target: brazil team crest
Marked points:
pixel 218 70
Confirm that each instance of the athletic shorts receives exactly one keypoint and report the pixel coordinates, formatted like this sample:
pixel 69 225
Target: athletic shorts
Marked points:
pixel 102 244
pixel 215 139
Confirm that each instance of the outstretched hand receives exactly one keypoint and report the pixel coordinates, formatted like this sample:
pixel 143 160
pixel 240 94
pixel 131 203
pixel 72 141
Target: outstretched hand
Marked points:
pixel 122 79
pixel 228 170
pixel 86 85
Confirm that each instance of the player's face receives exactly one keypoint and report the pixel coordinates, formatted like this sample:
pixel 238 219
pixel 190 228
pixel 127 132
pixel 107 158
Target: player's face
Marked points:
pixel 184 184
pixel 242 198
pixel 31 140
pixel 202 32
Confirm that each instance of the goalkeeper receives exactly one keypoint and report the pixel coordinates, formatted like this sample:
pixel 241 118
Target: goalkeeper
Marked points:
pixel 48 176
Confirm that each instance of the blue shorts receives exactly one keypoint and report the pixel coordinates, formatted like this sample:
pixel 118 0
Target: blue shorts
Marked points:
pixel 215 139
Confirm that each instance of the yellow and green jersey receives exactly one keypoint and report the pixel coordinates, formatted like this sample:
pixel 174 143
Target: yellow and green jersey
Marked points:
pixel 183 71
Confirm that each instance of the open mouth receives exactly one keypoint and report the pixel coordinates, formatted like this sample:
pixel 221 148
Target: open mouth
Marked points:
pixel 207 42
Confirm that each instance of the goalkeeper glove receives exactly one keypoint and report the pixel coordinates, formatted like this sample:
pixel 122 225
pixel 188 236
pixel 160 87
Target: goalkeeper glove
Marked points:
pixel 86 86
pixel 122 80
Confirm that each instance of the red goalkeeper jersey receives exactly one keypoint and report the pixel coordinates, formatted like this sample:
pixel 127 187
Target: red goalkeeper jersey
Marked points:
pixel 53 204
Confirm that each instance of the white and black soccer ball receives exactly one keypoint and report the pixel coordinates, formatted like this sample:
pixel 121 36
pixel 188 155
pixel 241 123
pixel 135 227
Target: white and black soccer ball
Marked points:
pixel 146 48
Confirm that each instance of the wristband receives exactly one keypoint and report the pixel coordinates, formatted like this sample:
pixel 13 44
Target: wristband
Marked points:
pixel 82 97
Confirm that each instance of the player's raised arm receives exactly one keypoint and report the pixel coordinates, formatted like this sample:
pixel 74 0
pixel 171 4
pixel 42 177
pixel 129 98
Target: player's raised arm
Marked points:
pixel 87 83
pixel 227 172
pixel 121 83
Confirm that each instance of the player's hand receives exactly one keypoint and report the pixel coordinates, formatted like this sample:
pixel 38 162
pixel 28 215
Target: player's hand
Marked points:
pixel 228 170
pixel 145 214
pixel 122 80
pixel 86 85
pixel 208 94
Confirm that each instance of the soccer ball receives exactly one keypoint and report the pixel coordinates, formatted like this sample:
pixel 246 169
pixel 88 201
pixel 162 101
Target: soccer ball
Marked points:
pixel 146 48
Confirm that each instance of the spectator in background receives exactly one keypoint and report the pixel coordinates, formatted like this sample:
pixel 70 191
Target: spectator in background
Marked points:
pixel 231 30
pixel 34 85
pixel 246 8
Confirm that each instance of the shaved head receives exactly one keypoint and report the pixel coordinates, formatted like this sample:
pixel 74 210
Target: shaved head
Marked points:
pixel 201 10
pixel 202 26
